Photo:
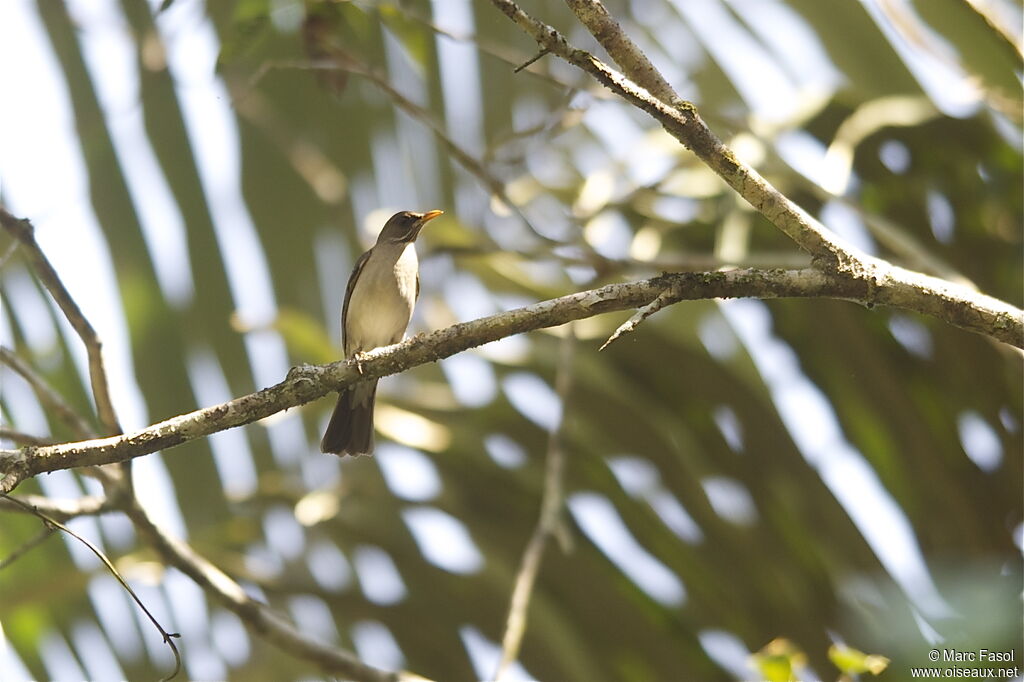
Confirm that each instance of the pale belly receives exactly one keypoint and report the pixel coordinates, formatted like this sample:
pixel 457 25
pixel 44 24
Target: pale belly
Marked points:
pixel 382 302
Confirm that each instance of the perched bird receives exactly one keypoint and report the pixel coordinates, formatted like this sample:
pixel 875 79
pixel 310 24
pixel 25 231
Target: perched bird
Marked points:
pixel 379 299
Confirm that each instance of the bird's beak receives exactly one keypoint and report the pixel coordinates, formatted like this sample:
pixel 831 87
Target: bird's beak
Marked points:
pixel 429 215
pixel 424 219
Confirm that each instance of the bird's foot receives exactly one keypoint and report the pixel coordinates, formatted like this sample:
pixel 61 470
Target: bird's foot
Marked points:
pixel 359 357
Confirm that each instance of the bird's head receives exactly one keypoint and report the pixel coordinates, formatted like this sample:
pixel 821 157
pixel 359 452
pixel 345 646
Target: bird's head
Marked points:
pixel 404 227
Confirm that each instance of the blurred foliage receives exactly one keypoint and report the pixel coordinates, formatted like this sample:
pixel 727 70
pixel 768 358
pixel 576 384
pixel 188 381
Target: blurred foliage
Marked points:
pixel 676 429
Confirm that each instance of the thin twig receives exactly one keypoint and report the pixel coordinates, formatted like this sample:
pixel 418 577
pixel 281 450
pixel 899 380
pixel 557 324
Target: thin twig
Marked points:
pixel 29 545
pixel 531 60
pixel 23 231
pixel 49 398
pixel 548 521
pixel 311 164
pixel 257 616
pixel 22 438
pixel 630 325
pixel 495 50
pixel 54 402
pixel 62 510
pixel 51 522
pixel 342 61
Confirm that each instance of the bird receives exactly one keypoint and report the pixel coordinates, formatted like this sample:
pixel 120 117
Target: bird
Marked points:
pixel 379 300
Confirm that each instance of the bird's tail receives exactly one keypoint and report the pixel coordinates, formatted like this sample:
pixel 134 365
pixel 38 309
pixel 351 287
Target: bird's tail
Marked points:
pixel 350 431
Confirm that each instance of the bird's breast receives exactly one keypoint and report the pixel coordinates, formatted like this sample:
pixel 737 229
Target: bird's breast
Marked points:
pixel 382 299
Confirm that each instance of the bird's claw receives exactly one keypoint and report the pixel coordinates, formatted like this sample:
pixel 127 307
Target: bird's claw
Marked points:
pixel 358 357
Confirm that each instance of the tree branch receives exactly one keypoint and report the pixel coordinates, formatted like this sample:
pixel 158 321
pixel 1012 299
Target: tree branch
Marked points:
pixel 62 510
pixel 630 325
pixel 48 397
pixel 340 61
pixel 684 123
pixel 23 231
pixel 52 523
pixel 889 284
pixel 547 522
pixel 308 382
pixel 22 438
pixel 491 48
pixel 630 58
pixel 40 537
pixel 257 616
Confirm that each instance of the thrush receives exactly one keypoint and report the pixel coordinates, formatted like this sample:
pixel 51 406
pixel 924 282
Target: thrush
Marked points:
pixel 379 300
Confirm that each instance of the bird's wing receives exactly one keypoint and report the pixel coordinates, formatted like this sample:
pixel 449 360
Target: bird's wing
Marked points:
pixel 348 295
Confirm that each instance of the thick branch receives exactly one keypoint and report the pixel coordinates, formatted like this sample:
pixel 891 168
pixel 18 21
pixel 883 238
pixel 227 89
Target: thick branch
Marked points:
pixel 630 58
pixel 890 285
pixel 684 123
pixel 307 383
pixel 257 617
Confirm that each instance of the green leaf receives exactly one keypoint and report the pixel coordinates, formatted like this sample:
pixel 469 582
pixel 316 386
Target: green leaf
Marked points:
pixel 410 33
pixel 250 26
pixel 779 660
pixel 854 662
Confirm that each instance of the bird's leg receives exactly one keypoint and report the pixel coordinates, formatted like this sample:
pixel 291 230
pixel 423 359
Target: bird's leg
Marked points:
pixel 358 357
